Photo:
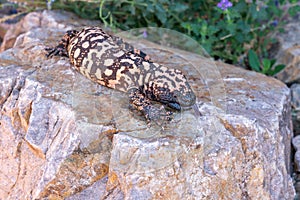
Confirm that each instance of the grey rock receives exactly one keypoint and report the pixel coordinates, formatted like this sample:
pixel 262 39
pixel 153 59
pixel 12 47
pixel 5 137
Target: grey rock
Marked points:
pixel 296 144
pixel 295 92
pixel 297 161
pixel 63 136
pixel 289 52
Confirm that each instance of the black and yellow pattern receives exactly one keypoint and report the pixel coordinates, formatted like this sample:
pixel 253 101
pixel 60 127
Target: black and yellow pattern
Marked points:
pixel 110 61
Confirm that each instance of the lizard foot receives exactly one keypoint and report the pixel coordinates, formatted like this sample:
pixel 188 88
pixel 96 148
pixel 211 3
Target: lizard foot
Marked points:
pixel 157 115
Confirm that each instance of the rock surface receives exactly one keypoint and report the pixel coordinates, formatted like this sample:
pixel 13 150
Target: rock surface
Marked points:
pixel 295 93
pixel 64 137
pixel 289 52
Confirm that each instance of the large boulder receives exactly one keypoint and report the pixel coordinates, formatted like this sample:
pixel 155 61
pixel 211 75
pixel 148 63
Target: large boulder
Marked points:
pixel 63 136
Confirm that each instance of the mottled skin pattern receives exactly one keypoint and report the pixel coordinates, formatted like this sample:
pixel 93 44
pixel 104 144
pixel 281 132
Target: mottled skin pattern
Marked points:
pixel 110 61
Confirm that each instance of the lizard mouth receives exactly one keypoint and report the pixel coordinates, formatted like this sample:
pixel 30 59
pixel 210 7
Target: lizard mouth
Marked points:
pixel 179 101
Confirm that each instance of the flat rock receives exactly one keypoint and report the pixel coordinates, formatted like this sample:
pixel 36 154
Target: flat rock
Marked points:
pixel 65 137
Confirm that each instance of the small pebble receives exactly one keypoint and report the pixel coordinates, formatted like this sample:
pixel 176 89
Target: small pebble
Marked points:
pixel 296 142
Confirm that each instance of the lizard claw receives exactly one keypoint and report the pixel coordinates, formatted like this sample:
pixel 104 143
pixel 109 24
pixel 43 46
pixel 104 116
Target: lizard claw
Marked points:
pixel 158 115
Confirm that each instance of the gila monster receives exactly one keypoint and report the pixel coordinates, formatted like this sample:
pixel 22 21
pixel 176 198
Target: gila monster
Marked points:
pixel 109 61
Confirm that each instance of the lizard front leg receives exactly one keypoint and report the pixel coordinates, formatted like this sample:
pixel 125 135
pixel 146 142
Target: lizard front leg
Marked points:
pixel 143 104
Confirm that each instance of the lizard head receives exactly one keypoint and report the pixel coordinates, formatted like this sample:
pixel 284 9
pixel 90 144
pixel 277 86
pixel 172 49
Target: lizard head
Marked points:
pixel 172 88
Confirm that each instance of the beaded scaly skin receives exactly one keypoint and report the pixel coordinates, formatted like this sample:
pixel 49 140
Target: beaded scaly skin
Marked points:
pixel 111 62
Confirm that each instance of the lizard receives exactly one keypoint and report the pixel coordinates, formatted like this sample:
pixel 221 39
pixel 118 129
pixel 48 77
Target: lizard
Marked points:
pixel 111 62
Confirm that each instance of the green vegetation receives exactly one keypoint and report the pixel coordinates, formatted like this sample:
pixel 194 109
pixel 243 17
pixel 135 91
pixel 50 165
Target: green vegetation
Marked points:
pixel 226 30
pixel 266 66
